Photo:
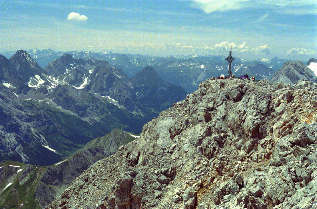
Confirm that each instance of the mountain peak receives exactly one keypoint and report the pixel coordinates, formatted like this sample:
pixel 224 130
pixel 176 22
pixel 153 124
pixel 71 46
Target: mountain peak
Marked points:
pixel 66 58
pixel 22 68
pixel 294 63
pixel 292 72
pixel 147 77
pixel 153 91
pixel 21 52
pixel 23 56
pixel 59 65
pixel 148 73
pixel 312 60
pixel 69 59
pixel 3 59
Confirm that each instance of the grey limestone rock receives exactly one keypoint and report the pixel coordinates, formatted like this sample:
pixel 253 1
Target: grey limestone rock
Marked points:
pixel 231 144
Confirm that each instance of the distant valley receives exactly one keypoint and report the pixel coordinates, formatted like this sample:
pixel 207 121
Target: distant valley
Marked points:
pixel 53 112
pixel 37 186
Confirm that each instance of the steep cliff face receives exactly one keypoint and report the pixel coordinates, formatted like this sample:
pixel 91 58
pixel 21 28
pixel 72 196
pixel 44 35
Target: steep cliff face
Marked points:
pixel 16 71
pixel 231 144
pixel 153 92
pixel 294 71
pixel 46 115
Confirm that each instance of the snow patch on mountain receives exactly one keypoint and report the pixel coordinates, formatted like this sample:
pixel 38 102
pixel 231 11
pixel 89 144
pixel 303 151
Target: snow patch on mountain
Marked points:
pixel 15 166
pixel 56 164
pixel 39 79
pixel 83 85
pixel 236 68
pixel 66 71
pixel 9 184
pixel 116 74
pixel 134 136
pixel 112 101
pixel 91 71
pixel 49 102
pixel 243 60
pixel 313 67
pixel 54 82
pixel 8 85
pixel 49 148
pixel 36 82
pixel 219 68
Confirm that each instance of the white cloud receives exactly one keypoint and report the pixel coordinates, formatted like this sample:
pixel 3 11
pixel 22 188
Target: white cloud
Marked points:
pixel 209 6
pixel 188 46
pixel 76 17
pixel 282 3
pixel 299 11
pixel 243 45
pixel 228 45
pixel 283 6
pixel 300 51
pixel 263 47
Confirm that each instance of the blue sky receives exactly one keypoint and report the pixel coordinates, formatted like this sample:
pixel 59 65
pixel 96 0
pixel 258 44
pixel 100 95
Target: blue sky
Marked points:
pixel 263 28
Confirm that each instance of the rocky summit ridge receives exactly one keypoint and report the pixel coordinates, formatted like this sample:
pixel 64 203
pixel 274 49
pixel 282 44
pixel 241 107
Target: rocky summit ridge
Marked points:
pixel 293 72
pixel 231 144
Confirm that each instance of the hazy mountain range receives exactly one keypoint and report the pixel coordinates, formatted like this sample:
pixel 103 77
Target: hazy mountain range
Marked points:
pixel 184 71
pixel 80 96
pixel 55 111
pixel 48 114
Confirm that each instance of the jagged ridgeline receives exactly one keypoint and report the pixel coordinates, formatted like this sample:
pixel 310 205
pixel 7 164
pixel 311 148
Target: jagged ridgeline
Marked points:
pixel 231 144
pixel 294 71
pixel 48 114
pixel 29 186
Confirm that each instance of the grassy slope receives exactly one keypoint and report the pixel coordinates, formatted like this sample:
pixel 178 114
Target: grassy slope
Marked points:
pixel 24 186
pixel 21 193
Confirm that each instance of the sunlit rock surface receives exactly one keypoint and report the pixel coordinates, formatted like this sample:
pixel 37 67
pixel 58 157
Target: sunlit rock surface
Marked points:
pixel 231 144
